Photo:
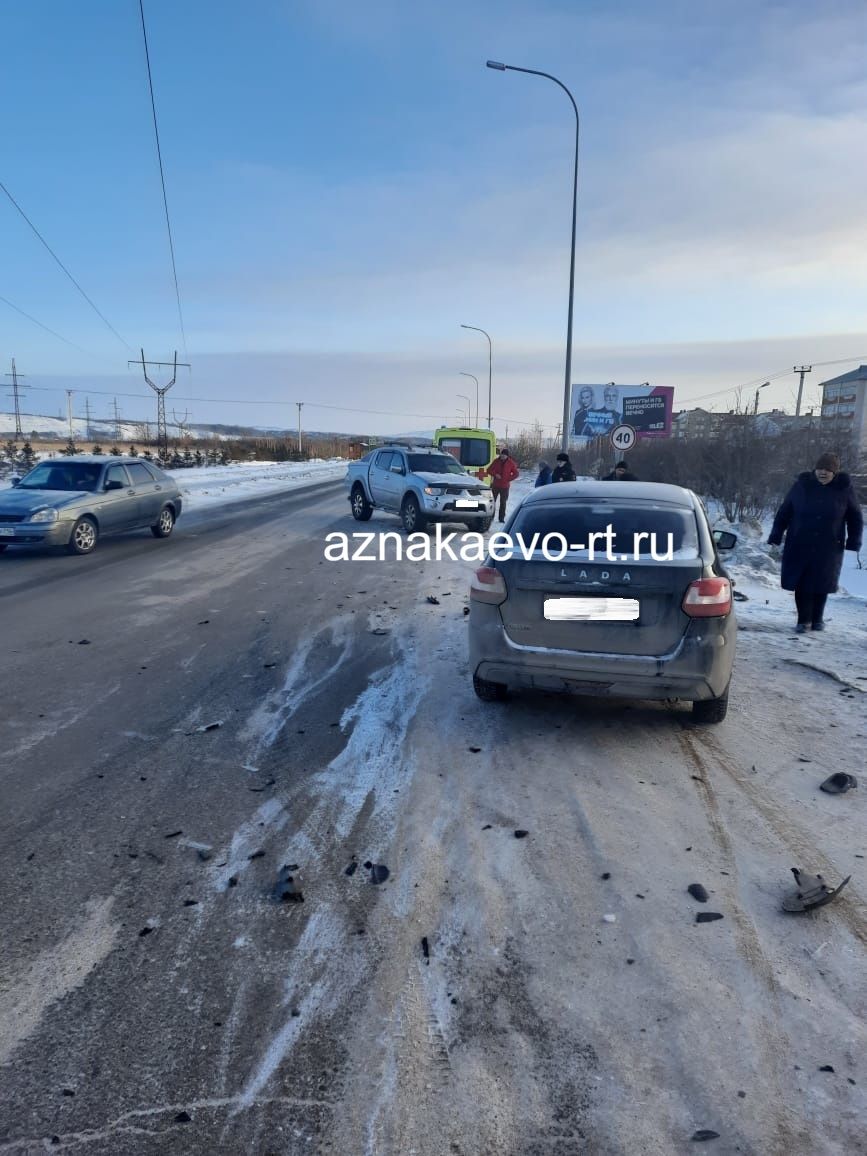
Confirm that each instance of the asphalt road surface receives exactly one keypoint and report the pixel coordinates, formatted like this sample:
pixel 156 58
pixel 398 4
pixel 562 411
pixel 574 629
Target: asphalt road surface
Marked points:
pixel 202 953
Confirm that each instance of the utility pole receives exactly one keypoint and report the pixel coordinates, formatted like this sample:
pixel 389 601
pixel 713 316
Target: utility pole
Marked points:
pixel 116 422
pixel 87 418
pixel 299 404
pixel 14 376
pixel 161 391
pixel 802 369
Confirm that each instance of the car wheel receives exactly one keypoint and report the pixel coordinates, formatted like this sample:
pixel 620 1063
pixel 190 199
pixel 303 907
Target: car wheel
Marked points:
pixel 83 537
pixel 411 516
pixel 479 525
pixel 711 710
pixel 165 523
pixel 490 691
pixel 361 508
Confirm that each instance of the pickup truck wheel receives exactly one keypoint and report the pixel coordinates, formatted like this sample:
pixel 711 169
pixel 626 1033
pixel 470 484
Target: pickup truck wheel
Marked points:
pixel 411 516
pixel 361 508
pixel 479 525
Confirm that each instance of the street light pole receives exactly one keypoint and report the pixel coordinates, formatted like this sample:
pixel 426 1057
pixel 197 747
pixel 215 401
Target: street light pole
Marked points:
pixel 476 380
pixel 756 408
pixel 490 358
pixel 467 400
pixel 567 389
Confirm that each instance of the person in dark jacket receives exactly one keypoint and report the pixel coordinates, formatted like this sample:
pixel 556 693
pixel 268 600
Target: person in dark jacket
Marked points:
pixel 621 473
pixel 821 518
pixel 563 471
pixel 544 477
pixel 502 472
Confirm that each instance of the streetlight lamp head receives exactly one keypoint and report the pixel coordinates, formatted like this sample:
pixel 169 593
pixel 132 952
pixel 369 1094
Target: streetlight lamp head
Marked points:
pixel 496 64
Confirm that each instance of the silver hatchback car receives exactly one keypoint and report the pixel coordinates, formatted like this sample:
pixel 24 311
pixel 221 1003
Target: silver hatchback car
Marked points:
pixel 72 502
pixel 646 614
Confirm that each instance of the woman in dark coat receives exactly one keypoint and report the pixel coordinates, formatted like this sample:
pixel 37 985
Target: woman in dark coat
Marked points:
pixel 820 518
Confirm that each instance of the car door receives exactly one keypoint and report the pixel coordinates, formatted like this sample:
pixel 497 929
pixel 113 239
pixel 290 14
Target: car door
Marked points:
pixel 395 482
pixel 118 505
pixel 380 472
pixel 148 494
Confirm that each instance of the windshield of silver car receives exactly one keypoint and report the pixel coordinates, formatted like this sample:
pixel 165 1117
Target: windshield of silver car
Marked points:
pixel 434 464
pixel 62 476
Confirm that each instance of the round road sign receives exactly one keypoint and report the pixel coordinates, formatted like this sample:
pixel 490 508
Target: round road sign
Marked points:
pixel 623 437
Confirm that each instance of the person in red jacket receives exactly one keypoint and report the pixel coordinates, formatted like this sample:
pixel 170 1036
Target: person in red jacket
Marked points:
pixel 502 472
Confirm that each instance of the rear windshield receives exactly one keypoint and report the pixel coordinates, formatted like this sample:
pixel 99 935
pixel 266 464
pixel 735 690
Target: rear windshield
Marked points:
pixel 434 464
pixel 576 521
pixel 468 451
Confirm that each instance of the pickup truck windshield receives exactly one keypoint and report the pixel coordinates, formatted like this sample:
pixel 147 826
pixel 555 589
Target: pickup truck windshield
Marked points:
pixel 434 464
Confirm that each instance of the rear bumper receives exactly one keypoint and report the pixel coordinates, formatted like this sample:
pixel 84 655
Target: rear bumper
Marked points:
pixel 698 668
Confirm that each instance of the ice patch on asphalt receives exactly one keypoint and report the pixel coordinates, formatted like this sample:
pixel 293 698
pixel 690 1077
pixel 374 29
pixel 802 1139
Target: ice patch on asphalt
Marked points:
pixel 264 726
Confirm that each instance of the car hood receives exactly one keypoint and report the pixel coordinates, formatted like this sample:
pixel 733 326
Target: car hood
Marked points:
pixel 449 479
pixel 18 501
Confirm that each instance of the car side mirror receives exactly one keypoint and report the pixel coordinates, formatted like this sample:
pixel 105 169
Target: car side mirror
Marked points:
pixel 113 484
pixel 725 539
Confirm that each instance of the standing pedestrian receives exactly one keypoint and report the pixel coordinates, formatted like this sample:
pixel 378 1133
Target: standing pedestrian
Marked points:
pixel 502 472
pixel 621 473
pixel 564 470
pixel 821 518
pixel 544 477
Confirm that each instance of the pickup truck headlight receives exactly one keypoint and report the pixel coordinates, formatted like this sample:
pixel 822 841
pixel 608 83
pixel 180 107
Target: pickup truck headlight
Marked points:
pixel 47 515
pixel 434 491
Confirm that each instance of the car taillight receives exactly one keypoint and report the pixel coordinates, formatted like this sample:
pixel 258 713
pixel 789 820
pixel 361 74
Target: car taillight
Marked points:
pixel 488 585
pixel 708 598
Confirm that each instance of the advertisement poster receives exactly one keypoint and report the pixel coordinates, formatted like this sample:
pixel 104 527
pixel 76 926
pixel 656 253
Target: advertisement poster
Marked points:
pixel 598 409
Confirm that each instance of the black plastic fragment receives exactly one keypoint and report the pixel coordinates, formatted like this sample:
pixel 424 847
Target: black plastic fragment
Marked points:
pixel 433 601
pixel 707 916
pixel 285 889
pixel 260 854
pixel 519 834
pixel 425 948
pixel 704 1134
pixel 826 1068
pixel 605 875
pixel 698 892
pixel 183 1118
pixel 351 869
pixel 174 834
pixel 378 873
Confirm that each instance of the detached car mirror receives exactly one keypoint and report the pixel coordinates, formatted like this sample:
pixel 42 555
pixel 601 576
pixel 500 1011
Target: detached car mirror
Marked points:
pixel 725 539
pixel 113 484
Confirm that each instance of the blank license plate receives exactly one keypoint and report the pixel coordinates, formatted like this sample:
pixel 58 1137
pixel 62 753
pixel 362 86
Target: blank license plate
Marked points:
pixel 464 504
pixel 6 532
pixel 591 609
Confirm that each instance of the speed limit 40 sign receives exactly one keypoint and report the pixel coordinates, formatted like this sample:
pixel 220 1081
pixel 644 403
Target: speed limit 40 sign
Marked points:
pixel 623 437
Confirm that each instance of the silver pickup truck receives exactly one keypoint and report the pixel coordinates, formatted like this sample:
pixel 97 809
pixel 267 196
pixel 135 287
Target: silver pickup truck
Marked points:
pixel 421 485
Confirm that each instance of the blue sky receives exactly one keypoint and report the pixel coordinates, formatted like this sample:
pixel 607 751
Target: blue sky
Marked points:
pixel 348 182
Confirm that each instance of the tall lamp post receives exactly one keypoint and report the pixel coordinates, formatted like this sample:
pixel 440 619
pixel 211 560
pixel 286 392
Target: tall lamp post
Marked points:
pixel 469 411
pixel 490 358
pixel 756 406
pixel 567 389
pixel 476 380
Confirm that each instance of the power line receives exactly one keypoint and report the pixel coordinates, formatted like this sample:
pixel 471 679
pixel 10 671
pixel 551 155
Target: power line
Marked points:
pixel 99 314
pixel 162 176
pixel 59 336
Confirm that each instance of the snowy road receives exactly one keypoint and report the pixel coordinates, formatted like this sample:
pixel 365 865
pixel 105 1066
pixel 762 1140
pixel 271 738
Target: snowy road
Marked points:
pixel 158 997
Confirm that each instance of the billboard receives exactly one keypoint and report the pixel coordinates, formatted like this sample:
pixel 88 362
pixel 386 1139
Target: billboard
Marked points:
pixel 598 409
